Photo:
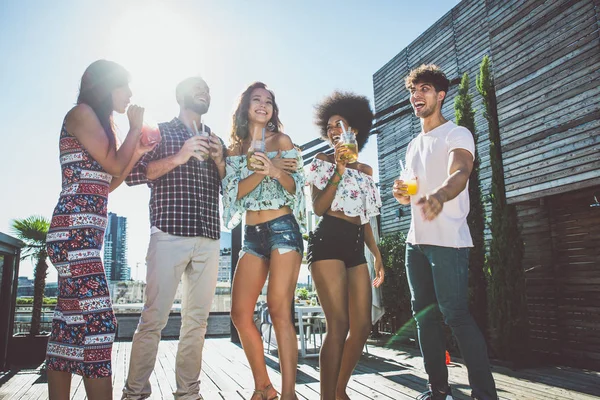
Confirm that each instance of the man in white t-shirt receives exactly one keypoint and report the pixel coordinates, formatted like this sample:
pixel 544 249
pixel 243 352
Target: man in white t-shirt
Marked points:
pixel 437 247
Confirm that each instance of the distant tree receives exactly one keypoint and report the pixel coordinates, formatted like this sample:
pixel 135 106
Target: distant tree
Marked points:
pixel 33 231
pixel 508 308
pixel 465 116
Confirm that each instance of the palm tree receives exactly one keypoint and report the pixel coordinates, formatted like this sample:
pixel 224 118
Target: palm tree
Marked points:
pixel 33 232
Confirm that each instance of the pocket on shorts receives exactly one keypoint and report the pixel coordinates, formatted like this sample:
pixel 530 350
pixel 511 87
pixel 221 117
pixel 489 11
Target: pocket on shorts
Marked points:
pixel 284 225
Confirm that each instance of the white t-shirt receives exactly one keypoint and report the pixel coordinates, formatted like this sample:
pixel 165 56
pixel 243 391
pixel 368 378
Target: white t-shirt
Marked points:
pixel 428 155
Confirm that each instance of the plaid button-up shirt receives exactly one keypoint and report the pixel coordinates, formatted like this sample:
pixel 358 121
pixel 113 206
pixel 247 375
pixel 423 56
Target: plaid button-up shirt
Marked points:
pixel 184 201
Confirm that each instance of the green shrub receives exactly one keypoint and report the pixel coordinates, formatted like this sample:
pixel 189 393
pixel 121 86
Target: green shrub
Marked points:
pixel 508 312
pixel 48 301
pixel 302 294
pixel 395 291
pixel 465 116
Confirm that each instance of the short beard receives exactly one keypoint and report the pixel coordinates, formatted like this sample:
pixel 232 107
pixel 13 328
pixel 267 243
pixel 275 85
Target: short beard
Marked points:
pixel 427 113
pixel 190 104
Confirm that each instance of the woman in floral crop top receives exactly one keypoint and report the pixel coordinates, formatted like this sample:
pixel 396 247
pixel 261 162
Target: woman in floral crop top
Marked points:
pixel 346 196
pixel 272 197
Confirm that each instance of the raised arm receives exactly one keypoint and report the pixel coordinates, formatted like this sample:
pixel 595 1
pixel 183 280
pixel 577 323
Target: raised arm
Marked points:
pixel 83 123
pixel 268 168
pixel 322 199
pixel 244 186
pixel 460 165
pixel 138 153
pixel 217 154
pixel 158 168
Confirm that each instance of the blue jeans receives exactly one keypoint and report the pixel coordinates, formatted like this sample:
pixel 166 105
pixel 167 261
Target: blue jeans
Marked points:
pixel 438 281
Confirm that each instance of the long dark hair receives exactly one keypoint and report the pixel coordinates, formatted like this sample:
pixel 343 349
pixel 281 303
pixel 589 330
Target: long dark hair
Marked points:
pixel 97 83
pixel 239 124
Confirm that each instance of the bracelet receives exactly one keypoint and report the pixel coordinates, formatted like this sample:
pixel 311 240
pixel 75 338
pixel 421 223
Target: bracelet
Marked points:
pixel 332 183
pixel 338 174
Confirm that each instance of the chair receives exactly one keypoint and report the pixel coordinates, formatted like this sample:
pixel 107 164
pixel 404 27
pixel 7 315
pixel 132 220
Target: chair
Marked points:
pixel 265 319
pixel 314 323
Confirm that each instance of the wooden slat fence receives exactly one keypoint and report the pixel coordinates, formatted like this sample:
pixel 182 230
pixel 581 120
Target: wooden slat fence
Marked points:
pixel 546 62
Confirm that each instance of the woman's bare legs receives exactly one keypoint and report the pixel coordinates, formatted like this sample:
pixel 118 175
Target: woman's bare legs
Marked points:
pixel 331 281
pixel 250 276
pixel 283 277
pixel 59 386
pixel 98 388
pixel 359 306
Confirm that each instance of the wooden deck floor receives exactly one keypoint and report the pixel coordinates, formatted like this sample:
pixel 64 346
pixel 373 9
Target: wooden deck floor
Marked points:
pixel 383 374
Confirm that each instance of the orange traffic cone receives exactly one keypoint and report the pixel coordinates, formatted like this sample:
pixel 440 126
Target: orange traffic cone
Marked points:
pixel 448 361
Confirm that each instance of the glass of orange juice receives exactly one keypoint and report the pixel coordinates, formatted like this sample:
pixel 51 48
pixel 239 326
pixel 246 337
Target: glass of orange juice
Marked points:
pixel 410 180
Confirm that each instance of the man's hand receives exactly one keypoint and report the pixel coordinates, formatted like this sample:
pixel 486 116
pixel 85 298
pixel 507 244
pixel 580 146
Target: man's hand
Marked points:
pixel 216 149
pixel 431 206
pixel 193 147
pixel 400 192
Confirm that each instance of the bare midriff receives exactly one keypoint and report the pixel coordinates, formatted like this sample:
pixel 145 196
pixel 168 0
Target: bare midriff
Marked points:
pixel 341 215
pixel 262 216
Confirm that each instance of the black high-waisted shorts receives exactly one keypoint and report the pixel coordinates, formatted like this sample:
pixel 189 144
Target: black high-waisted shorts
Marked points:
pixel 337 239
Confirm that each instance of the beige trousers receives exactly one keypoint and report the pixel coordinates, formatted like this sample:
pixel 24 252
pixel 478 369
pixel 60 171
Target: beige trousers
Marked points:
pixel 195 260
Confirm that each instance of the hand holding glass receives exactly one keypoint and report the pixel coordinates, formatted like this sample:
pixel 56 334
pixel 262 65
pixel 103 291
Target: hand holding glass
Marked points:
pixel 203 134
pixel 348 140
pixel 408 177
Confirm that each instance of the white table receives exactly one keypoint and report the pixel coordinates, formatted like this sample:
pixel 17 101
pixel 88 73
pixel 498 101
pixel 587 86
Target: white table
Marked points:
pixel 300 311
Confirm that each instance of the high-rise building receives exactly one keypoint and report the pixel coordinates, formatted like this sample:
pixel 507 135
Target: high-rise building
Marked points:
pixel 115 249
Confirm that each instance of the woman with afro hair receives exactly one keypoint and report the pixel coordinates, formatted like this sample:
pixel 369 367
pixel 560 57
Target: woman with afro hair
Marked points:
pixel 345 195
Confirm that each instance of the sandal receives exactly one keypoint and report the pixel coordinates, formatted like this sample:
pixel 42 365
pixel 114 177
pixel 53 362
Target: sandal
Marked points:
pixel 264 392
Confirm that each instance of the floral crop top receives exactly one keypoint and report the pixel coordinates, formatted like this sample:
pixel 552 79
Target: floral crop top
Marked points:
pixel 356 195
pixel 268 195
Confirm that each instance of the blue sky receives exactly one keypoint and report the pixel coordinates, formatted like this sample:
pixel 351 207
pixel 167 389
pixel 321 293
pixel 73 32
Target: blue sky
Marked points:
pixel 302 50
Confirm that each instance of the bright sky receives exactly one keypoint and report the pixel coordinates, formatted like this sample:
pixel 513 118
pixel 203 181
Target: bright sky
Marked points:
pixel 303 50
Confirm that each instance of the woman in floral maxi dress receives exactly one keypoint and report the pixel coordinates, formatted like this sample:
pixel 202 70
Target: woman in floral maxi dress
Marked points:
pixel 84 325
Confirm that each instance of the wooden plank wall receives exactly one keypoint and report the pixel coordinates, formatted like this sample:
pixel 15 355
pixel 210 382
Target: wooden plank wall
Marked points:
pixel 538 263
pixel 546 57
pixel 546 61
pixel 575 230
pixel 456 43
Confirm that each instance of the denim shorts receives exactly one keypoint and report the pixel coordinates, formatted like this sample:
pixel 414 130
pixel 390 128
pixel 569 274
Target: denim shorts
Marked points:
pixel 337 239
pixel 281 233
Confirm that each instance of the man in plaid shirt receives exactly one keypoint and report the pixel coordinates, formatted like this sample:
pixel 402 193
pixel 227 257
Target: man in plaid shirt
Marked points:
pixel 184 174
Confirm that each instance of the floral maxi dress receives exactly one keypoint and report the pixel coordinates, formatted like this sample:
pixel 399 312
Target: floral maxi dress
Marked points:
pixel 84 325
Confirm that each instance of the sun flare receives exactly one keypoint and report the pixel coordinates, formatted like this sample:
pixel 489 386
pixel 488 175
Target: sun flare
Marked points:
pixel 153 43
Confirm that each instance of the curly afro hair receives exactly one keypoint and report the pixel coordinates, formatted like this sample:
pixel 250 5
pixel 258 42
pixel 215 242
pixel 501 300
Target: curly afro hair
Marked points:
pixel 354 108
